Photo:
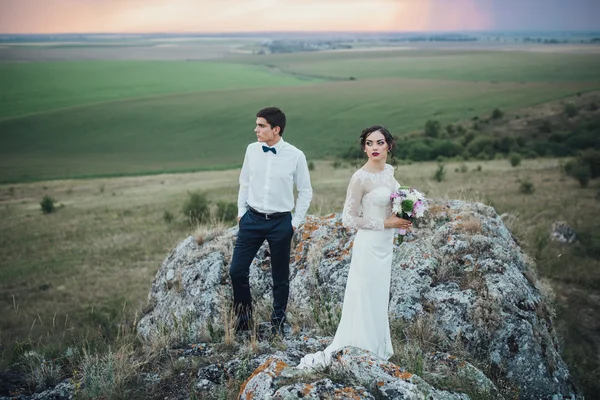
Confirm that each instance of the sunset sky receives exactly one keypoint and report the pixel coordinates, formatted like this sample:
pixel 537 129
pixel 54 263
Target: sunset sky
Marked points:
pixel 133 16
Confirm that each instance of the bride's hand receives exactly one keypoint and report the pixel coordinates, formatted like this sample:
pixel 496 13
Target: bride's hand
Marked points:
pixel 393 221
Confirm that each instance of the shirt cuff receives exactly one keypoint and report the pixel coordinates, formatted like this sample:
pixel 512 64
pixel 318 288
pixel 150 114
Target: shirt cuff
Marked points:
pixel 296 222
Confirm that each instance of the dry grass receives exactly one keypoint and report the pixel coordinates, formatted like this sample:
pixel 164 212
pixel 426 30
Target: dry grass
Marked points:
pixel 470 225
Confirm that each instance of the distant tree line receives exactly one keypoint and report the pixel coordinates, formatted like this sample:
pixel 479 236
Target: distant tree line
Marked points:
pixel 470 142
pixel 293 46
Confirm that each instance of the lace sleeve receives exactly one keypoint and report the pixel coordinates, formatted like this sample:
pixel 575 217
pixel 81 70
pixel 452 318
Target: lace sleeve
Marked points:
pixel 351 218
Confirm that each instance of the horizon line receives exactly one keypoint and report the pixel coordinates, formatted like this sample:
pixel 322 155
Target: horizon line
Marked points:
pixel 309 32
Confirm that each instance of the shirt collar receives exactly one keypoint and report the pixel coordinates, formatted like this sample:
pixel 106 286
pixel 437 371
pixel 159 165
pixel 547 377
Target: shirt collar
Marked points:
pixel 277 146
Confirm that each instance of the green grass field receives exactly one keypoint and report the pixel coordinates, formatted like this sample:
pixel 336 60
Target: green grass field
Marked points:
pixel 30 88
pixel 96 118
pixel 459 65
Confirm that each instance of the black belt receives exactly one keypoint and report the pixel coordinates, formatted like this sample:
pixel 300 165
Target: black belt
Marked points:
pixel 268 215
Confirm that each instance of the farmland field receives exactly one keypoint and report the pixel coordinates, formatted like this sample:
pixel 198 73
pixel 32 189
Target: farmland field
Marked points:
pixel 96 118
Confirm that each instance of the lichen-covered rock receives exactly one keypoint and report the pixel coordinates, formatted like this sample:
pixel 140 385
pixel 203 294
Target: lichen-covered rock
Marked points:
pixel 444 366
pixel 260 384
pixel 387 380
pixel 562 232
pixel 461 270
pixel 63 391
pixel 358 374
pixel 322 389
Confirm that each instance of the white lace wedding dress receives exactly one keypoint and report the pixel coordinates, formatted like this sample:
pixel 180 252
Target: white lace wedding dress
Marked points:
pixel 365 322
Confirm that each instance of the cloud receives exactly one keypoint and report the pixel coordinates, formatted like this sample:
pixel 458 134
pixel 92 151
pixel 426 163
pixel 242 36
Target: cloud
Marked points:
pixel 45 16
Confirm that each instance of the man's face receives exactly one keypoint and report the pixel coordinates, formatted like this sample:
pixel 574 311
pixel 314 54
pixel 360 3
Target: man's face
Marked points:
pixel 264 132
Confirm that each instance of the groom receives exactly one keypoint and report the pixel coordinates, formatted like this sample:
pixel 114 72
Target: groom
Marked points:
pixel 265 201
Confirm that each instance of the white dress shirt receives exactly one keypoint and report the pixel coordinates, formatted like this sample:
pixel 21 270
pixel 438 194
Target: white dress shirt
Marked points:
pixel 267 181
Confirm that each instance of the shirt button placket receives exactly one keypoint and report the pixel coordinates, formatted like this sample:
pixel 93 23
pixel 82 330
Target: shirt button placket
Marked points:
pixel 267 182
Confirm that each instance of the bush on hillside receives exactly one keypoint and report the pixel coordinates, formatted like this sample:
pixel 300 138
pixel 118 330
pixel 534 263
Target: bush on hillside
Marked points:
pixel 227 211
pixel 47 205
pixel 432 128
pixel 440 173
pixel 526 187
pixel 515 159
pixel 196 208
pixel 591 158
pixel 497 113
pixel 570 110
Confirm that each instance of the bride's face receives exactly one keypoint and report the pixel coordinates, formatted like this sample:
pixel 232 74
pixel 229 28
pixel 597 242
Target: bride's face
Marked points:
pixel 376 147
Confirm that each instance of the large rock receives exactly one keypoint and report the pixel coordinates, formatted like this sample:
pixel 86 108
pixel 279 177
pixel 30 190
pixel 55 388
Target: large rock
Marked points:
pixel 461 272
pixel 350 367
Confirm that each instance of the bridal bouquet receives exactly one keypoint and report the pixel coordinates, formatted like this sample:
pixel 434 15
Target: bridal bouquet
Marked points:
pixel 408 203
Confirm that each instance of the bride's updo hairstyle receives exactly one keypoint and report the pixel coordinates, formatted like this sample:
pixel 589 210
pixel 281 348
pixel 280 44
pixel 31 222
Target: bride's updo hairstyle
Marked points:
pixel 391 142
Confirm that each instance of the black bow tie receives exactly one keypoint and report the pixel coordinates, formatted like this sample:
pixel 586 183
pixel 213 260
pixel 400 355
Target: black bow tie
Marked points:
pixel 266 148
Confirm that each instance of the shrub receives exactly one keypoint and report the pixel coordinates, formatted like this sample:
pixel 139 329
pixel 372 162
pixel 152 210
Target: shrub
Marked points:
pixel 570 110
pixel 463 168
pixel 497 113
pixel 590 241
pixel 591 158
pixel 468 138
pixel 47 205
pixel 336 164
pixel 481 144
pixel 527 187
pixel 227 211
pixel 545 127
pixel 440 173
pixel 585 167
pixel 418 151
pixel 515 159
pixel 196 208
pixel 593 107
pixel 444 148
pixel 432 128
pixel 168 217
pixel 505 144
pixel 352 153
pixel 40 372
pixel 582 173
pixel 311 166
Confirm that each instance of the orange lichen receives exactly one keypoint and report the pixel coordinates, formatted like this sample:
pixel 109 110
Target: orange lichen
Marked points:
pixel 396 371
pixel 345 252
pixel 307 389
pixel 349 393
pixel 380 383
pixel 279 366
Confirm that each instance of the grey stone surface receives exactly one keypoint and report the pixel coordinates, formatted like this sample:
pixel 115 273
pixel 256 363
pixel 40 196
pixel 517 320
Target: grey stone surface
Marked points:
pixel 461 271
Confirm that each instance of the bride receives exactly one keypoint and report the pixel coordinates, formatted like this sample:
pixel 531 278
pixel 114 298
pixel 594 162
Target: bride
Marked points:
pixel 364 321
